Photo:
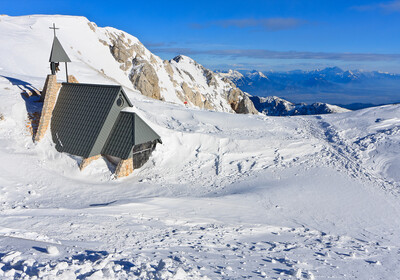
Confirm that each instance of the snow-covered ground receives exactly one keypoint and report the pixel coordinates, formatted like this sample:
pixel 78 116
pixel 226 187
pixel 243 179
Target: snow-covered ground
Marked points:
pixel 225 196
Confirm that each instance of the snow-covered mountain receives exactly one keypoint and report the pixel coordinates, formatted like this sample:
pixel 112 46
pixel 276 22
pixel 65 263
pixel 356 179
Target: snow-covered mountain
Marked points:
pixel 275 106
pixel 226 196
pixel 336 74
pixel 179 80
pixel 256 76
pixel 120 57
pixel 331 85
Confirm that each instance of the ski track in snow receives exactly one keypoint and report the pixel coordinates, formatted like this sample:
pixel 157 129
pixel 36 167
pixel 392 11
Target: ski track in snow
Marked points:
pixel 224 197
pixel 347 156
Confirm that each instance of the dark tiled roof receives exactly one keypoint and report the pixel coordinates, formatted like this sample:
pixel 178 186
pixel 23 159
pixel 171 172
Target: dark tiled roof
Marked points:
pixel 80 114
pixel 128 131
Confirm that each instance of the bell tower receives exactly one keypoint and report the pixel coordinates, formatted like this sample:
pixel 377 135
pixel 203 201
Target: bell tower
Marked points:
pixel 58 55
pixel 51 86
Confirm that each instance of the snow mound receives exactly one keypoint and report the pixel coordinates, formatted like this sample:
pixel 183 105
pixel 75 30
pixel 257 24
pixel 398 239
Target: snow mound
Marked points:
pixel 52 250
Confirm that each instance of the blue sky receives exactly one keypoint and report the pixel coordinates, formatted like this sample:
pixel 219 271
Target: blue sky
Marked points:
pixel 263 35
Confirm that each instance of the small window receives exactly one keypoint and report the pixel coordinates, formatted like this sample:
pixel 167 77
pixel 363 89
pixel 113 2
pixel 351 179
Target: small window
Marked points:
pixel 120 101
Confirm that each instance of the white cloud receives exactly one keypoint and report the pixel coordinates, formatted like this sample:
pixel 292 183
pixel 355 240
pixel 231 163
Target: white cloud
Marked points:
pixel 393 6
pixel 267 24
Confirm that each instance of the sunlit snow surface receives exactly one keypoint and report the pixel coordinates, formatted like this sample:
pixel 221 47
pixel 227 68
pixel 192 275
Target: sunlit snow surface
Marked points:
pixel 224 197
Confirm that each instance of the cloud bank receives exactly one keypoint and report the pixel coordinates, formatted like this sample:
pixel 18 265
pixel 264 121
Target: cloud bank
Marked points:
pixel 268 54
pixel 266 24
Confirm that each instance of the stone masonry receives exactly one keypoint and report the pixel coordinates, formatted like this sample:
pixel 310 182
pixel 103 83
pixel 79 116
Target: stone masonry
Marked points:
pixel 124 168
pixel 86 161
pixel 50 91
pixel 72 79
pixel 49 98
pixel 49 79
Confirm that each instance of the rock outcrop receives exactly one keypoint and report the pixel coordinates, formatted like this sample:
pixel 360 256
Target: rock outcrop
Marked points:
pixel 145 78
pixel 121 51
pixel 240 102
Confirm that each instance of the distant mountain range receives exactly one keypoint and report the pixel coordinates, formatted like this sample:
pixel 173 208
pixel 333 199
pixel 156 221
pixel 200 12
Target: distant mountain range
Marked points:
pixel 355 89
pixel 275 106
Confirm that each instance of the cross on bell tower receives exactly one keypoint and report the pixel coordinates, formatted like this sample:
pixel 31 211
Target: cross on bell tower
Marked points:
pixel 54 29
pixel 57 55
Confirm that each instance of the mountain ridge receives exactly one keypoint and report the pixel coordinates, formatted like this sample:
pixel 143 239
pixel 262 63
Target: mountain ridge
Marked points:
pixel 275 106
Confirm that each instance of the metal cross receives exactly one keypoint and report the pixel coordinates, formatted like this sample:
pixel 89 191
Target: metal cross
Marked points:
pixel 54 29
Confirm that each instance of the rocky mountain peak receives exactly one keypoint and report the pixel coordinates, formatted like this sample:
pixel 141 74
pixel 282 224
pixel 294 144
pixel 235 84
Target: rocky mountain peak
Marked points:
pixel 256 75
pixel 183 58
pixel 180 80
pixel 231 74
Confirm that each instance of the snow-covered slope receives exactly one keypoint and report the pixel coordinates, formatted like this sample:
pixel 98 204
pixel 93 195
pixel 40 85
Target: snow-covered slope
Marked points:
pixel 226 196
pixel 275 106
pixel 119 56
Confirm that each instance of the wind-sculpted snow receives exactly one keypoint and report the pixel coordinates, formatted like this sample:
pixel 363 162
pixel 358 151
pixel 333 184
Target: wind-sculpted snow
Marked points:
pixel 226 196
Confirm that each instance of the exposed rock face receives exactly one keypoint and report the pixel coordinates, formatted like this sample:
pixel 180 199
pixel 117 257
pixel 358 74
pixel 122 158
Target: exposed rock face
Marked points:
pixel 168 68
pixel 240 102
pixel 122 52
pixel 180 80
pixel 145 79
pixel 92 26
pixel 211 80
pixel 192 96
pixel 246 106
pixel 214 92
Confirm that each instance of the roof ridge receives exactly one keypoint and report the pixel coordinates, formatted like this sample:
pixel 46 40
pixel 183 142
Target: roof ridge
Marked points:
pixel 95 85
